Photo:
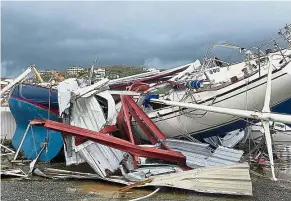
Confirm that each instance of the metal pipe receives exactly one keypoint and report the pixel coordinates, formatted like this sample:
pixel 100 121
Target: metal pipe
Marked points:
pixel 22 140
pixel 18 79
pixel 267 116
pixel 37 75
pixel 1 145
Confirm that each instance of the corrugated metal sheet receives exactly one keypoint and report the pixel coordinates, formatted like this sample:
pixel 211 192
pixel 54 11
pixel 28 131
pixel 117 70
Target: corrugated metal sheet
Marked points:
pixel 200 155
pixel 71 156
pixel 196 153
pixel 87 113
pixel 233 179
pixel 213 141
pixel 224 156
pixel 8 124
pixel 103 159
pixel 232 138
pixel 187 146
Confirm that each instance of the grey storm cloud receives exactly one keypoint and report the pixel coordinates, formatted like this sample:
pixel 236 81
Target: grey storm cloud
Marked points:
pixel 160 34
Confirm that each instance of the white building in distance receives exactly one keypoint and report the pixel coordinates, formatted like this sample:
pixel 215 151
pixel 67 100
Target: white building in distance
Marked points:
pixel 74 70
pixel 151 69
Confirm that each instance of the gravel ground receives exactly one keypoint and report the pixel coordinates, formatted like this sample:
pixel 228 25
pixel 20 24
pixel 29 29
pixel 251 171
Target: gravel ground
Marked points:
pixel 12 190
pixel 45 189
pixel 267 190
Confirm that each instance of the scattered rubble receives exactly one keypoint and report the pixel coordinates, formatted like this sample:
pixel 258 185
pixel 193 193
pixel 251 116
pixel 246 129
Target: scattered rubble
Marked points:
pixel 115 134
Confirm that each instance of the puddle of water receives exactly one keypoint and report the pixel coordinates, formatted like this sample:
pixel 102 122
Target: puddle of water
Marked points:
pixel 111 191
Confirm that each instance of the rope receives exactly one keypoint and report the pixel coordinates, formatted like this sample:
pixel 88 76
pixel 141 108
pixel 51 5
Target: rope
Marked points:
pixel 144 197
pixel 49 111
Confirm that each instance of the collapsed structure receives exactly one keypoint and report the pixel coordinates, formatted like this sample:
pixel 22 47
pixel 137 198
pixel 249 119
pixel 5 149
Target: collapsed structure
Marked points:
pixel 176 128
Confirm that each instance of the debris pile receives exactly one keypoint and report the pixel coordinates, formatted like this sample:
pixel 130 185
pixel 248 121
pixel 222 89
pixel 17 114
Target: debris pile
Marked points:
pixel 176 128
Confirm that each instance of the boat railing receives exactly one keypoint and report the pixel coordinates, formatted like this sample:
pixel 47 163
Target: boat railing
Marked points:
pixel 255 58
pixel 285 33
pixel 271 46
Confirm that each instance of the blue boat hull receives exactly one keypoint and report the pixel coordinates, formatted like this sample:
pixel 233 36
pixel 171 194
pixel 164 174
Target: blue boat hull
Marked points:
pixel 26 107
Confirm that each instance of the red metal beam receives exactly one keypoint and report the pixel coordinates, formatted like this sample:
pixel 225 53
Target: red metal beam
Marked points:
pixel 149 128
pixel 155 134
pixel 127 126
pixel 105 130
pixel 120 123
pixel 109 129
pixel 160 135
pixel 36 122
pixel 145 129
pixel 127 117
pixel 166 155
pixel 145 118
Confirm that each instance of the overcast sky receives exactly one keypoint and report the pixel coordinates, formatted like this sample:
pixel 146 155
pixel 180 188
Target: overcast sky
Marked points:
pixel 158 34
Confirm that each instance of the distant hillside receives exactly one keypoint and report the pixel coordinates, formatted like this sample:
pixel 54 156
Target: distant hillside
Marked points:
pixel 112 72
pixel 123 71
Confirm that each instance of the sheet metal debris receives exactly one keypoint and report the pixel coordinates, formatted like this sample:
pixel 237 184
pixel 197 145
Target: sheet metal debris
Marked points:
pixel 201 155
pixel 196 153
pixel 232 138
pixel 87 113
pixel 64 174
pixel 142 173
pixel 167 155
pixel 13 172
pixel 8 124
pixel 234 179
pixel 91 116
pixel 103 159
pixel 224 156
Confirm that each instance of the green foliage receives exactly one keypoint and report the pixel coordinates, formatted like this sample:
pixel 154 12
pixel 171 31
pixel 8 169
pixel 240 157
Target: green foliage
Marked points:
pixel 123 71
pixel 83 74
pixel 111 73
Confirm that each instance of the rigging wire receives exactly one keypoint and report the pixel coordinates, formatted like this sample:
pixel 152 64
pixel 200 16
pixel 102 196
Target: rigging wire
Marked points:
pixel 49 111
pixel 33 139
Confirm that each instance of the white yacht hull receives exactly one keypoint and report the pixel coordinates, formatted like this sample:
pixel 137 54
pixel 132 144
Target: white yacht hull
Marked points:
pixel 174 122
